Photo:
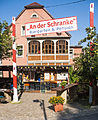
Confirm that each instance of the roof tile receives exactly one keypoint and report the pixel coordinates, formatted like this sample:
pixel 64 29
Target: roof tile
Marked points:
pixel 34 5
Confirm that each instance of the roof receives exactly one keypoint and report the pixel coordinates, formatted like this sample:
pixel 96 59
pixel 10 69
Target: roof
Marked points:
pixel 33 6
pixel 76 46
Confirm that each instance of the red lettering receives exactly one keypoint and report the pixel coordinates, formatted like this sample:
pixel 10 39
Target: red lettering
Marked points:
pixel 67 21
pixel 57 23
pixel 71 22
pixel 54 23
pixel 32 27
pixel 48 23
pixel 38 26
pixel 41 25
pixel 64 22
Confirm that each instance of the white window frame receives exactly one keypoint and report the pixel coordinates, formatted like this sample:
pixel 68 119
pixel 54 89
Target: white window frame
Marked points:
pixel 1 75
pixel 17 51
pixel 0 62
pixel 22 30
pixel 72 55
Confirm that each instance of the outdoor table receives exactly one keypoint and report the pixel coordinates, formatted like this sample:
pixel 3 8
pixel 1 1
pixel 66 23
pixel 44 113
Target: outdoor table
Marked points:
pixel 63 91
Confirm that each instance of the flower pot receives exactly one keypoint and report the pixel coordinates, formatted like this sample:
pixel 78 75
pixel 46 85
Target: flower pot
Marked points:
pixel 58 107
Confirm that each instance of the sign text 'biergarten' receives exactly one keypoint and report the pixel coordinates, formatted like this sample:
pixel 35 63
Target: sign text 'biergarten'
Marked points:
pixel 50 26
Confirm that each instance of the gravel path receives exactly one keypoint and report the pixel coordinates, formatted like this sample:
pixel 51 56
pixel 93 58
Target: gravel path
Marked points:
pixel 30 109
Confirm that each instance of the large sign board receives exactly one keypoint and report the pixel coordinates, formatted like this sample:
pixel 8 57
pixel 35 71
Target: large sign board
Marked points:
pixel 50 26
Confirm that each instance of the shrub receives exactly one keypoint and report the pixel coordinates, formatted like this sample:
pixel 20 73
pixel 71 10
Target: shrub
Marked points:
pixel 63 83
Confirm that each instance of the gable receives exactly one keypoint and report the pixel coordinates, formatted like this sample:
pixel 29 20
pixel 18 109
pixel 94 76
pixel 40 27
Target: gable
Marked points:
pixel 26 15
pixel 34 13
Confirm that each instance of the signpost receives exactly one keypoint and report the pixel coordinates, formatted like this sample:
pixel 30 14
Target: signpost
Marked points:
pixel 91 42
pixel 15 96
pixel 50 26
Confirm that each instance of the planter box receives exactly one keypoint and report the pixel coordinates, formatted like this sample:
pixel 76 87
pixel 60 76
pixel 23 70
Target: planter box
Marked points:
pixel 58 107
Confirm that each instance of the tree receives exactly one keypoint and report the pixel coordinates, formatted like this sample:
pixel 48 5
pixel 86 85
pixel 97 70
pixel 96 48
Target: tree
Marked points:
pixel 5 40
pixel 73 76
pixel 86 66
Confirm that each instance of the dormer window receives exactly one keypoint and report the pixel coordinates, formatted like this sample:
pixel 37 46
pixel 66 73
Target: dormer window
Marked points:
pixel 34 15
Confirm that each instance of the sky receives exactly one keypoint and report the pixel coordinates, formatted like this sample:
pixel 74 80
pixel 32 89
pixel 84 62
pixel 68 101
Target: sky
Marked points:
pixel 9 8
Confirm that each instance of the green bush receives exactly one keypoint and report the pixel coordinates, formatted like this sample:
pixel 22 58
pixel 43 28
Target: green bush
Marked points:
pixel 63 83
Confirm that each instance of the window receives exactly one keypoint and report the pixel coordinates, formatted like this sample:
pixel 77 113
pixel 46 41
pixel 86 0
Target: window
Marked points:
pixel 60 46
pixel 0 61
pixel 19 50
pixel 0 73
pixel 71 53
pixel 48 47
pixel 34 47
pixel 34 15
pixel 66 47
pixel 23 30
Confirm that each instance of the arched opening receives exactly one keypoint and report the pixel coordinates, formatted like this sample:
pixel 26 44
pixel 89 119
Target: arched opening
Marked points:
pixel 48 47
pixel 34 47
pixel 34 15
pixel 61 47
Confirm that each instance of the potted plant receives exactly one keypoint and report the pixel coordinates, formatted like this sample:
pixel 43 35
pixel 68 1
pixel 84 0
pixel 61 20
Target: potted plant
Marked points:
pixel 63 84
pixel 57 102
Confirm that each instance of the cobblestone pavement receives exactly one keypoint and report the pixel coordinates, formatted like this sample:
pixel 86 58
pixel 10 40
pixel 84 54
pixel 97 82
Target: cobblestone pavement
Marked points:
pixel 30 109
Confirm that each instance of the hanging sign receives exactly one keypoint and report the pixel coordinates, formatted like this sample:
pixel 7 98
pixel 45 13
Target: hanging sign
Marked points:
pixel 50 26
pixel 62 76
pixel 47 76
pixel 52 76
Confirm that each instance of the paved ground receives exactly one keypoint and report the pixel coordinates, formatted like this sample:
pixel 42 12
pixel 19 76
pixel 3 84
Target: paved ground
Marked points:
pixel 31 108
pixel 93 116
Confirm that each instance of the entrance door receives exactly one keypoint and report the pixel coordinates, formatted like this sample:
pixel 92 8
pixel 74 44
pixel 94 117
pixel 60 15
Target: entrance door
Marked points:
pixel 37 76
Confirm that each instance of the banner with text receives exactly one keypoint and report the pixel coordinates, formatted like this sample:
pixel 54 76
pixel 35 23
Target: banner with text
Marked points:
pixel 50 26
